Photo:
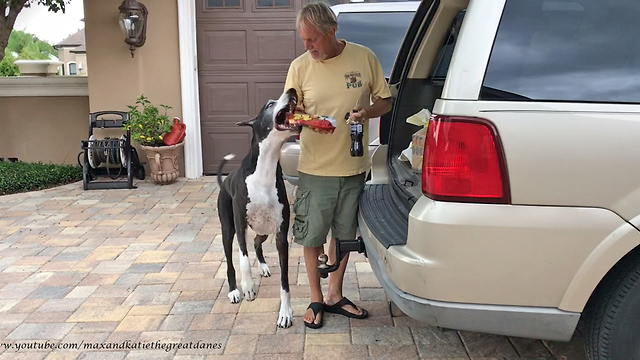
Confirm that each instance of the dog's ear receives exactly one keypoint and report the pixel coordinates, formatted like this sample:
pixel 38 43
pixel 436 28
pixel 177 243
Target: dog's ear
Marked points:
pixel 249 122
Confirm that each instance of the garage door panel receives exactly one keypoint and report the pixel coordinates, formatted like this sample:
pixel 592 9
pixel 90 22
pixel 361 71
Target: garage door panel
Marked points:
pixel 266 92
pixel 224 47
pixel 253 12
pixel 275 47
pixel 225 98
pixel 247 50
pixel 224 141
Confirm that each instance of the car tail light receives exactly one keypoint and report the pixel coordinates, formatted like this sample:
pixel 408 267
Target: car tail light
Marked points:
pixel 464 161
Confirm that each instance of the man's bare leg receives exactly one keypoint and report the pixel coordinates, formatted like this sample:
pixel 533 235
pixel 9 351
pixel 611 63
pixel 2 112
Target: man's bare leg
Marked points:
pixel 311 263
pixel 336 279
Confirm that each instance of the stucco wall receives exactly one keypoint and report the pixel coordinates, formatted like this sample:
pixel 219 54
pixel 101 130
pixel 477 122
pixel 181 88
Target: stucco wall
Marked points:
pixel 47 129
pixel 65 56
pixel 116 78
pixel 81 61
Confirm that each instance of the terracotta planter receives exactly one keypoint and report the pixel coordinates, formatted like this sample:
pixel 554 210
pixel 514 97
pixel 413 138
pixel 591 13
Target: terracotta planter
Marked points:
pixel 163 162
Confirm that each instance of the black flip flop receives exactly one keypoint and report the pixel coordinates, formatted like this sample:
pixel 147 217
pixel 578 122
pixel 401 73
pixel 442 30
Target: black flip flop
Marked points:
pixel 337 309
pixel 317 308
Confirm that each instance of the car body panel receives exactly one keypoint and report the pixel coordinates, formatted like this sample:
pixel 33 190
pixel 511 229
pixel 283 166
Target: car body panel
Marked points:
pixel 469 62
pixel 408 6
pixel 502 254
pixel 289 154
pixel 522 321
pixel 426 50
pixel 379 172
pixel 607 254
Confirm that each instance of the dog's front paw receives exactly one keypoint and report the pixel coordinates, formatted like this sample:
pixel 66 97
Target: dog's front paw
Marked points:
pixel 234 296
pixel 285 317
pixel 248 290
pixel 264 270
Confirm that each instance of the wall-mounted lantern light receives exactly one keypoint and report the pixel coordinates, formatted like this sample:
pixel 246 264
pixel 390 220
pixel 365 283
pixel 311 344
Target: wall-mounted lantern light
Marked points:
pixel 133 22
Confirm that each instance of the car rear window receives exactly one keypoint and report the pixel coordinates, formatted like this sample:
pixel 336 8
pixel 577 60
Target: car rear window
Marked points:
pixel 382 32
pixel 580 50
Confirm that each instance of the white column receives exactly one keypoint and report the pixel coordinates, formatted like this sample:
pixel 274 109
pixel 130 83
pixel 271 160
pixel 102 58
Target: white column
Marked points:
pixel 189 87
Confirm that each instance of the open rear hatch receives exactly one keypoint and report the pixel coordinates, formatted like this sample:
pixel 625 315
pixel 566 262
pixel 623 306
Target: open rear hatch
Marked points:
pixel 385 207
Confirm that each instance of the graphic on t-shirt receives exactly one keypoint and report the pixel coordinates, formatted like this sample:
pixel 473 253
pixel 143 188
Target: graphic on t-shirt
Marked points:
pixel 353 79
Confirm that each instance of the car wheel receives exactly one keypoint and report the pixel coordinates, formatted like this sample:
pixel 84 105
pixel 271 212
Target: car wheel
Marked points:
pixel 613 314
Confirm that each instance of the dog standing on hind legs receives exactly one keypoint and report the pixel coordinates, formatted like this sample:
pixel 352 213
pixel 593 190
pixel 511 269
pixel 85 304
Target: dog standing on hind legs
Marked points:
pixel 255 196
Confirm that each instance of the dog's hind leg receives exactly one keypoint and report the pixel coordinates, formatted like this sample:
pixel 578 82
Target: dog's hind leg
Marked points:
pixel 225 213
pixel 247 282
pixel 285 316
pixel 257 243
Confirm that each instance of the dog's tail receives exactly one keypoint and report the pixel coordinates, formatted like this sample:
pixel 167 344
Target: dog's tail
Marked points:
pixel 222 163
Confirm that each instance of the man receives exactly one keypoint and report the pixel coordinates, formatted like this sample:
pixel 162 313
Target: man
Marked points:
pixel 332 78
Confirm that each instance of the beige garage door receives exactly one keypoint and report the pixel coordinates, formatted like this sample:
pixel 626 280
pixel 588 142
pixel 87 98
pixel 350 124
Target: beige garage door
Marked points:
pixel 244 50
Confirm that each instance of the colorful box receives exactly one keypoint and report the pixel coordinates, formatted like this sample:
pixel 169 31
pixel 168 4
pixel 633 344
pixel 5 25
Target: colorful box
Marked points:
pixel 417 149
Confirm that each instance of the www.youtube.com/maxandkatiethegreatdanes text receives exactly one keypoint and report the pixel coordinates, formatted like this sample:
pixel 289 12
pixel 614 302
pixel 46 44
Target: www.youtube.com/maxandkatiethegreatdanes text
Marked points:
pixel 122 345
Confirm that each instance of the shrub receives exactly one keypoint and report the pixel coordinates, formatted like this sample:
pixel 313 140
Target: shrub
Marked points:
pixel 19 176
pixel 7 66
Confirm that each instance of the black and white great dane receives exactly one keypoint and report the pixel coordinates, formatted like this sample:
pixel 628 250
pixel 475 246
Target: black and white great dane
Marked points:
pixel 255 196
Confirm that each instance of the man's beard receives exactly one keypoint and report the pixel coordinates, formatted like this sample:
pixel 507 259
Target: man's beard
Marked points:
pixel 318 57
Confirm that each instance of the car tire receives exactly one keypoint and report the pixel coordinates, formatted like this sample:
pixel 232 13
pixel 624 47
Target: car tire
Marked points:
pixel 613 314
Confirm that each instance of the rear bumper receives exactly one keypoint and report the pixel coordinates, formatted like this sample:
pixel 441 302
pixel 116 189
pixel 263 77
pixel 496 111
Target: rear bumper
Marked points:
pixel 522 321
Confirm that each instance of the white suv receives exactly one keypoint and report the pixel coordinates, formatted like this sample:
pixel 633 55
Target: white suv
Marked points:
pixel 525 216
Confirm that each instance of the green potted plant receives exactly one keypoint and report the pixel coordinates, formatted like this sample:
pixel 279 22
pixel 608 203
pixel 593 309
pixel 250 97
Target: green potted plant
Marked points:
pixel 148 128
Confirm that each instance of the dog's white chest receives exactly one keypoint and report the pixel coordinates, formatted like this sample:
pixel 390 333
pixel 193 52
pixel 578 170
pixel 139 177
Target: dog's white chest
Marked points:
pixel 264 211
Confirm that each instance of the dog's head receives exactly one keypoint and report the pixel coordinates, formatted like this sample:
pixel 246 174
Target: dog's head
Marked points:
pixel 272 118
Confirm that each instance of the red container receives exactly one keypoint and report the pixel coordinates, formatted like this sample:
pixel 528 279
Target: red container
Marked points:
pixel 177 133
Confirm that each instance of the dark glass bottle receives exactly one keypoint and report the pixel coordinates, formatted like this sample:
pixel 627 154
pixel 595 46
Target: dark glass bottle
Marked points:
pixel 357 149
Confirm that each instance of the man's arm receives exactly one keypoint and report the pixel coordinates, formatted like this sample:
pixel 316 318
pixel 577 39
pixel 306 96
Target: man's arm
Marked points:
pixel 377 109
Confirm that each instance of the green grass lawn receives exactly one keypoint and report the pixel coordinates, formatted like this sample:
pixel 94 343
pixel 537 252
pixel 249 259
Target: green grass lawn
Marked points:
pixel 17 177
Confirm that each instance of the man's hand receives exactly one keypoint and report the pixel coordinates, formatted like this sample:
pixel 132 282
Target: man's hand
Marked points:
pixel 358 115
pixel 379 107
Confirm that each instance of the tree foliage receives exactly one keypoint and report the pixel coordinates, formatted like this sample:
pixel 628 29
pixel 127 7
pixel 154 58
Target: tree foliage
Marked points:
pixel 53 5
pixel 29 47
pixel 7 66
pixel 9 10
pixel 24 46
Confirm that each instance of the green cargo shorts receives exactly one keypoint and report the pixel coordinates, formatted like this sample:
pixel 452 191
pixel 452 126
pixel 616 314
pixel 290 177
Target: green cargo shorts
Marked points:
pixel 323 203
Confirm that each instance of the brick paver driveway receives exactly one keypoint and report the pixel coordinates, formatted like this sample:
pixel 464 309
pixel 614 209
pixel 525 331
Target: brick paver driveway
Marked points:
pixel 122 273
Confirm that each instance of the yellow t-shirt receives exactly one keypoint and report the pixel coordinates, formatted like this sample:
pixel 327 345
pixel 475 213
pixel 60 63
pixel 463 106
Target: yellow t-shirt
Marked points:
pixel 333 87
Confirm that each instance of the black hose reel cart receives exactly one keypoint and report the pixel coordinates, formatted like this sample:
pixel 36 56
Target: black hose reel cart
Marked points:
pixel 109 163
